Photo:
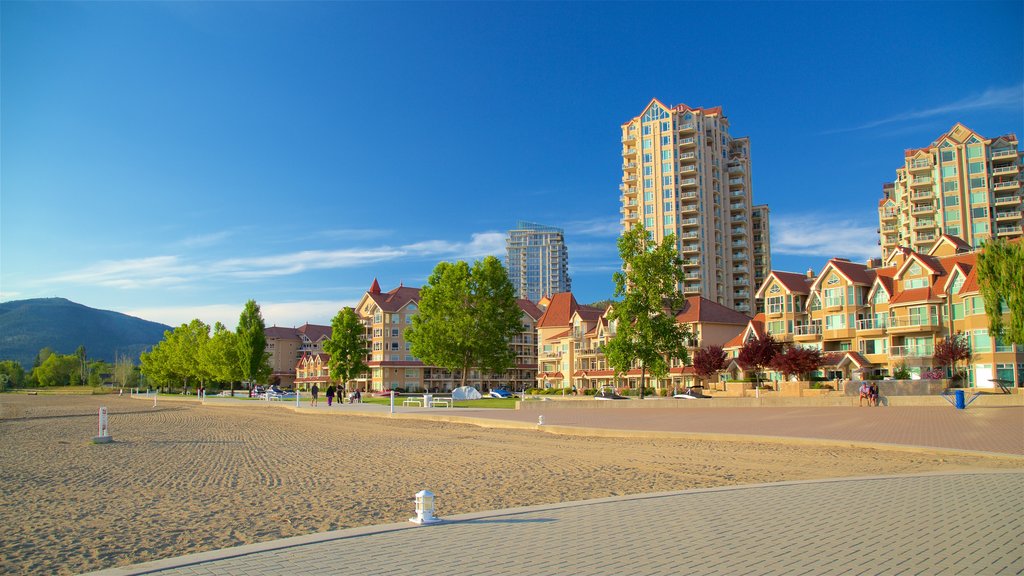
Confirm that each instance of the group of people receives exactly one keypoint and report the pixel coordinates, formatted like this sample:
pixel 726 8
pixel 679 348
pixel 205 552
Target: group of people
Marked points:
pixel 869 392
pixel 330 393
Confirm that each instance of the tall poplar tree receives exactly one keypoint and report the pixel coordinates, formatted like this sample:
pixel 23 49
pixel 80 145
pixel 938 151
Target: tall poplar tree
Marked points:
pixel 253 358
pixel 466 318
pixel 1001 280
pixel 347 346
pixel 646 331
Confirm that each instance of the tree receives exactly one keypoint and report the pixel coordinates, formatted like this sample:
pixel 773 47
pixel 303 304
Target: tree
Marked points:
pixel 646 331
pixel 708 361
pixel 466 318
pixel 797 361
pixel 951 351
pixel 347 346
pixel 82 363
pixel 12 374
pixel 58 370
pixel 220 356
pixel 1001 283
pixel 177 358
pixel 758 352
pixel 253 358
pixel 124 369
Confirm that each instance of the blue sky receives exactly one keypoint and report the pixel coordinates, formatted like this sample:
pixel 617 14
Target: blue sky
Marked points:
pixel 172 160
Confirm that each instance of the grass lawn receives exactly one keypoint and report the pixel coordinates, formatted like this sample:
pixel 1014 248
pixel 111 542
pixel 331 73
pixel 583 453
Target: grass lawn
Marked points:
pixel 508 403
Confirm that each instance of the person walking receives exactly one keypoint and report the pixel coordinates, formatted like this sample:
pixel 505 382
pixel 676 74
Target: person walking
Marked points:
pixel 314 392
pixel 330 394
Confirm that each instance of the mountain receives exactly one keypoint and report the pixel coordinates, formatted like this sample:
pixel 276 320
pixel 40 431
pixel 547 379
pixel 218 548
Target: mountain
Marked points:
pixel 26 326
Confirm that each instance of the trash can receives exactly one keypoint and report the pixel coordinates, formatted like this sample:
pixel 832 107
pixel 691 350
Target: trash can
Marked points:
pixel 426 400
pixel 959 395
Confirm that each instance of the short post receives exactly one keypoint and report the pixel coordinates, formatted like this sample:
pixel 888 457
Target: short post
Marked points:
pixel 959 396
pixel 104 434
pixel 540 420
pixel 392 395
pixel 296 397
pixel 424 508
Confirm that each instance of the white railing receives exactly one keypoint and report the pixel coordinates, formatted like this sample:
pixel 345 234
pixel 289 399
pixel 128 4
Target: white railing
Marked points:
pixel 1015 214
pixel 1007 184
pixel 924 351
pixel 1004 169
pixel 921 180
pixel 1014 199
pixel 1003 153
pixel 914 321
pixel 807 329
pixel 687 155
pixel 920 163
pixel 873 323
pixel 684 141
pixel 687 168
pixel 688 181
pixel 774 308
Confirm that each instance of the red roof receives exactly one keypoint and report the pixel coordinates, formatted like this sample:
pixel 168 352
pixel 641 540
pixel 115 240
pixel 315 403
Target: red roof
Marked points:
pixel 396 299
pixel 914 295
pixel 315 331
pixel 375 287
pixel 700 309
pixel 530 308
pixel 559 312
pixel 795 283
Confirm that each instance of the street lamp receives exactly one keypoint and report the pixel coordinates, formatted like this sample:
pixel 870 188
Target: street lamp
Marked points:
pixel 425 508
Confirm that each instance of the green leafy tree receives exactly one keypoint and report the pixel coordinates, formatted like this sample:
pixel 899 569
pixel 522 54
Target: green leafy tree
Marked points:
pixel 251 343
pixel 83 372
pixel 124 369
pixel 646 331
pixel 347 347
pixel 220 356
pixel 12 375
pixel 177 358
pixel 1001 281
pixel 58 370
pixel 41 357
pixel 466 318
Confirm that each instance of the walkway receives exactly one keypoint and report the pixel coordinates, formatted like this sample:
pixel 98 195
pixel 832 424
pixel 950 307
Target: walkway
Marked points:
pixel 961 523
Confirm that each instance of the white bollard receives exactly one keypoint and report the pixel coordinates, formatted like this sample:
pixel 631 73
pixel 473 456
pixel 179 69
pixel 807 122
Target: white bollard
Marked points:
pixel 104 434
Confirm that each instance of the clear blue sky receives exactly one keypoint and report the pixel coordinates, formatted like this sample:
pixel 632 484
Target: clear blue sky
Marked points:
pixel 172 160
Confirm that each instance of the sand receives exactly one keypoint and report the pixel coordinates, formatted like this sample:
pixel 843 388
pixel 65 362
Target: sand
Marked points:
pixel 184 478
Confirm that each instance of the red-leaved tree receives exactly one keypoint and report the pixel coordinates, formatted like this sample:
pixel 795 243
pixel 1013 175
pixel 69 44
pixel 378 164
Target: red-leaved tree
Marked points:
pixel 797 361
pixel 951 351
pixel 708 361
pixel 758 352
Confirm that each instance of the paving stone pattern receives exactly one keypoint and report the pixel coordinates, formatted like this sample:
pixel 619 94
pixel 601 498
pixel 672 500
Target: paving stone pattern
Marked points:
pixel 961 523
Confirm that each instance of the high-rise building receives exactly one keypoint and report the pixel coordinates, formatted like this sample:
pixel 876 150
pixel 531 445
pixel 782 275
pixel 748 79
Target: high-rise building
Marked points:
pixel 684 174
pixel 964 185
pixel 537 261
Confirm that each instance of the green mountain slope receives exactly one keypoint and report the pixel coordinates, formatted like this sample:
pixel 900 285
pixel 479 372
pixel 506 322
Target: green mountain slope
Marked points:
pixel 26 326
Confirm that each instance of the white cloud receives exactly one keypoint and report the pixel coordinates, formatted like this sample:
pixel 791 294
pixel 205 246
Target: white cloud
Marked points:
pixel 203 240
pixel 823 235
pixel 594 227
pixel 1011 98
pixel 274 313
pixel 149 272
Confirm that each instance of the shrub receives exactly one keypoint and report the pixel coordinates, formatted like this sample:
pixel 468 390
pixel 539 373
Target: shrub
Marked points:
pixel 901 373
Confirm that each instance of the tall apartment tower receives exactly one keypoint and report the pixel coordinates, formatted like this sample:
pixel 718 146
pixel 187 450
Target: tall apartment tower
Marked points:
pixel 684 174
pixel 964 185
pixel 537 261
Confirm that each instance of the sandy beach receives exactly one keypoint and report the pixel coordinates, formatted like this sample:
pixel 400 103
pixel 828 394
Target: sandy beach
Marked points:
pixel 184 478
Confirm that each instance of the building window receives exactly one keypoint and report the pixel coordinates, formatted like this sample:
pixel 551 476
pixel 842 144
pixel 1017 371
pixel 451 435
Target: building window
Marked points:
pixel 977 183
pixel 976 168
pixel 950 186
pixel 979 197
pixel 975 152
pixel 948 171
pixel 980 341
pixel 952 215
pixel 947 156
pixel 952 200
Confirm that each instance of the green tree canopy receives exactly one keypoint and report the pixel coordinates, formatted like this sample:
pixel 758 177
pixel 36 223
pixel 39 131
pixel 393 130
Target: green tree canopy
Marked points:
pixel 1001 280
pixel 646 331
pixel 347 346
pixel 220 356
pixel 58 370
pixel 466 318
pixel 253 357
pixel 13 374
pixel 178 357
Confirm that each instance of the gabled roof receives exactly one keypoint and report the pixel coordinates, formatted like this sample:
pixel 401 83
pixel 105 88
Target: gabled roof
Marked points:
pixel 396 299
pixel 794 283
pixel 530 308
pixel 971 283
pixel 956 243
pixel 700 309
pixel 853 272
pixel 843 358
pixel 315 331
pixel 281 333
pixel 915 295
pixel 930 263
pixel 755 326
pixel 559 312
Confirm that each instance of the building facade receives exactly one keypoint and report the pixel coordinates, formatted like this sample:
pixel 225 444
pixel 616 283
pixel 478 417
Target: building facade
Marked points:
pixel 683 173
pixel 571 340
pixel 388 315
pixel 537 261
pixel 964 185
pixel 876 318
pixel 287 346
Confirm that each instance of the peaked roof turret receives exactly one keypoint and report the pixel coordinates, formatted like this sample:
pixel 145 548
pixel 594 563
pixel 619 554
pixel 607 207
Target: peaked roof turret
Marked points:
pixel 375 287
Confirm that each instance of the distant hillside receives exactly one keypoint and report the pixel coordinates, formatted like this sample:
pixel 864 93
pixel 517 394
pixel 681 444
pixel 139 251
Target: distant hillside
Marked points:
pixel 26 326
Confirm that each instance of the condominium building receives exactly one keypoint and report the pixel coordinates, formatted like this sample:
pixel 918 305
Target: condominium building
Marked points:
pixel 537 261
pixel 683 173
pixel 387 316
pixel 873 318
pixel 571 339
pixel 287 346
pixel 964 185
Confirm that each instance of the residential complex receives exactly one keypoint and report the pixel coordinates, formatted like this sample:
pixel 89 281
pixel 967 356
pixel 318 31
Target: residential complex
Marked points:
pixel 537 261
pixel 684 174
pixel 387 316
pixel 571 339
pixel 287 346
pixel 964 185
pixel 871 319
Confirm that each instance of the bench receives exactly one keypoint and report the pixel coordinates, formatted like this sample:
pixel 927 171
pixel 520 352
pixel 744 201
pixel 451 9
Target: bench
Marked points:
pixel 446 402
pixel 413 402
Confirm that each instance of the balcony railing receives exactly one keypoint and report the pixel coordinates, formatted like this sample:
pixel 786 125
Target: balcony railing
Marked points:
pixel 807 329
pixel 931 321
pixel 1005 169
pixel 921 194
pixel 877 323
pixel 1003 153
pixel 919 163
pixel 921 181
pixel 1006 185
pixel 923 209
pixel 1012 199
pixel 1014 214
pixel 687 155
pixel 1007 229
pixel 688 181
pixel 925 351
pixel 686 141
pixel 690 222
pixel 735 181
pixel 687 168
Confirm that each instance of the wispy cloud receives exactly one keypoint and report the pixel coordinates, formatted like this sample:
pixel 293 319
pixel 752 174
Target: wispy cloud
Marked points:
pixel 172 270
pixel 823 235
pixel 594 227
pixel 353 234
pixel 1010 98
pixel 274 313
pixel 203 240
